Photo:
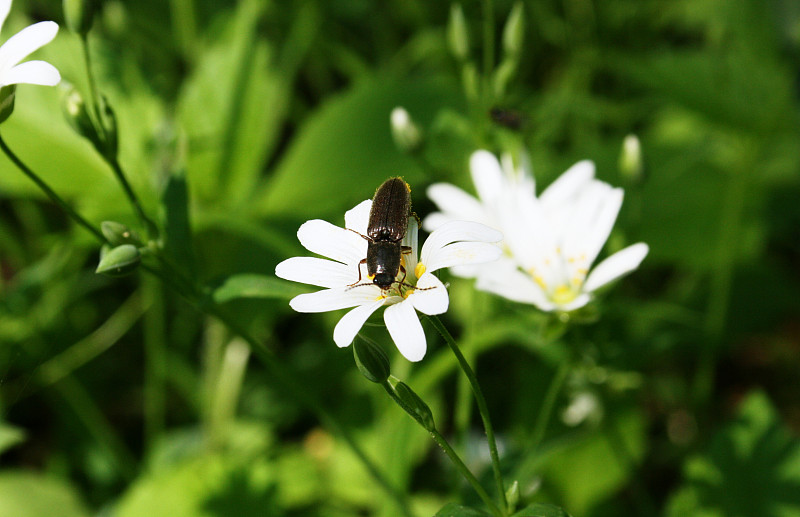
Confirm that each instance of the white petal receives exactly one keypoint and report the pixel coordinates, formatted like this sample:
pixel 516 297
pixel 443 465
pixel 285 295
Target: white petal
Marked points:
pixel 411 239
pixel 357 218
pixel 471 271
pixel 32 72
pixel 323 238
pixel 434 220
pixel 5 6
pixel 519 177
pixel 567 184
pixel 406 330
pixel 316 271
pixel 604 221
pixel 26 41
pixel 506 281
pixel 461 254
pixel 579 301
pixel 347 328
pixel 487 176
pixel 430 297
pixel 455 203
pixel 618 264
pixel 334 299
pixel 455 231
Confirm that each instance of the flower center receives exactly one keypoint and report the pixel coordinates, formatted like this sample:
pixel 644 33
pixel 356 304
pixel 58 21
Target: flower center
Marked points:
pixel 564 294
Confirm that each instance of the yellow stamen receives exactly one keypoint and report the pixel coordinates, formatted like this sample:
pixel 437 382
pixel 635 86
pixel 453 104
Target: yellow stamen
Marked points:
pixel 563 294
pixel 419 270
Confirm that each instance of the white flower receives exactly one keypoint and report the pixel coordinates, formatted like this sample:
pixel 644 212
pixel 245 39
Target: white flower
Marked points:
pixel 22 44
pixel 416 289
pixel 551 241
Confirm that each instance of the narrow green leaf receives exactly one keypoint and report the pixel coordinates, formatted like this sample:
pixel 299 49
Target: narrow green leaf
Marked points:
pixel 178 242
pixel 456 510
pixel 249 285
pixel 542 510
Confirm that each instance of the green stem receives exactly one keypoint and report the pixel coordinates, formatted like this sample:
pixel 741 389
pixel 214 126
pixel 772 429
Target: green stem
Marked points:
pixel 94 95
pixel 184 25
pixel 132 198
pixel 721 276
pixel 482 407
pixel 98 426
pixel 154 328
pixel 546 412
pixel 488 46
pixel 50 192
pixel 449 451
pixel 94 103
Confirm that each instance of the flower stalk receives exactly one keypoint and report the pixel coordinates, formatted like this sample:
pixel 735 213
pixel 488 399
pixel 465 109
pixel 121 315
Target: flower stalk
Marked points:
pixel 105 127
pixel 440 440
pixel 49 192
pixel 483 409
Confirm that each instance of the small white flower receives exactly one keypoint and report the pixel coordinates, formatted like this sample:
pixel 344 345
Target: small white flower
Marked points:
pixel 22 44
pixel 416 288
pixel 405 132
pixel 551 241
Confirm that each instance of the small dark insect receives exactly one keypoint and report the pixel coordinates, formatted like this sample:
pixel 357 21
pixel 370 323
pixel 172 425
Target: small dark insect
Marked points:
pixel 388 222
pixel 510 118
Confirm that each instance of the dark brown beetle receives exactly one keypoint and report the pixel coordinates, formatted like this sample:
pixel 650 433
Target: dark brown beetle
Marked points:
pixel 388 222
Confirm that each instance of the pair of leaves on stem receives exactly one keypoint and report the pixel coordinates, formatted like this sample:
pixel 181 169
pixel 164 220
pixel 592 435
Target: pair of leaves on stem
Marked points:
pixel 534 510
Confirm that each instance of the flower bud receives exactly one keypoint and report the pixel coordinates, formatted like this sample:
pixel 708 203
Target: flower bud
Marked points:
pixel 7 101
pixel 371 360
pixel 78 116
pixel 457 36
pixel 512 495
pixel 414 406
pixel 79 15
pixel 118 234
pixel 109 123
pixel 630 158
pixel 406 134
pixel 514 31
pixel 119 261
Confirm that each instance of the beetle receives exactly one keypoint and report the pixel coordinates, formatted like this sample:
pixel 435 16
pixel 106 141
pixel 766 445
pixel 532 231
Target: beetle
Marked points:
pixel 510 118
pixel 388 222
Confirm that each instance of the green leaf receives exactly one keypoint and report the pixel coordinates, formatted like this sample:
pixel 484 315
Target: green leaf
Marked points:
pixel 10 436
pixel 752 469
pixel 178 242
pixel 24 494
pixel 237 100
pixel 541 510
pixel 456 510
pixel 248 285
pixel 203 487
pixel 345 150
pixel 120 261
pixel 572 470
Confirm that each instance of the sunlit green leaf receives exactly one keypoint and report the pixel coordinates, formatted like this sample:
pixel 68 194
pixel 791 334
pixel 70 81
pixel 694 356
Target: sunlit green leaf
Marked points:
pixel 541 510
pixel 456 510
pixel 23 494
pixel 255 286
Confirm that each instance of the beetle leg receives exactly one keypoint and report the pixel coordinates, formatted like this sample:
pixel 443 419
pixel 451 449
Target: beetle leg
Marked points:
pixel 363 261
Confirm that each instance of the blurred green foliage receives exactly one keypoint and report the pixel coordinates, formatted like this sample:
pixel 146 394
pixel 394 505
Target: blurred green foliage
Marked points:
pixel 240 120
